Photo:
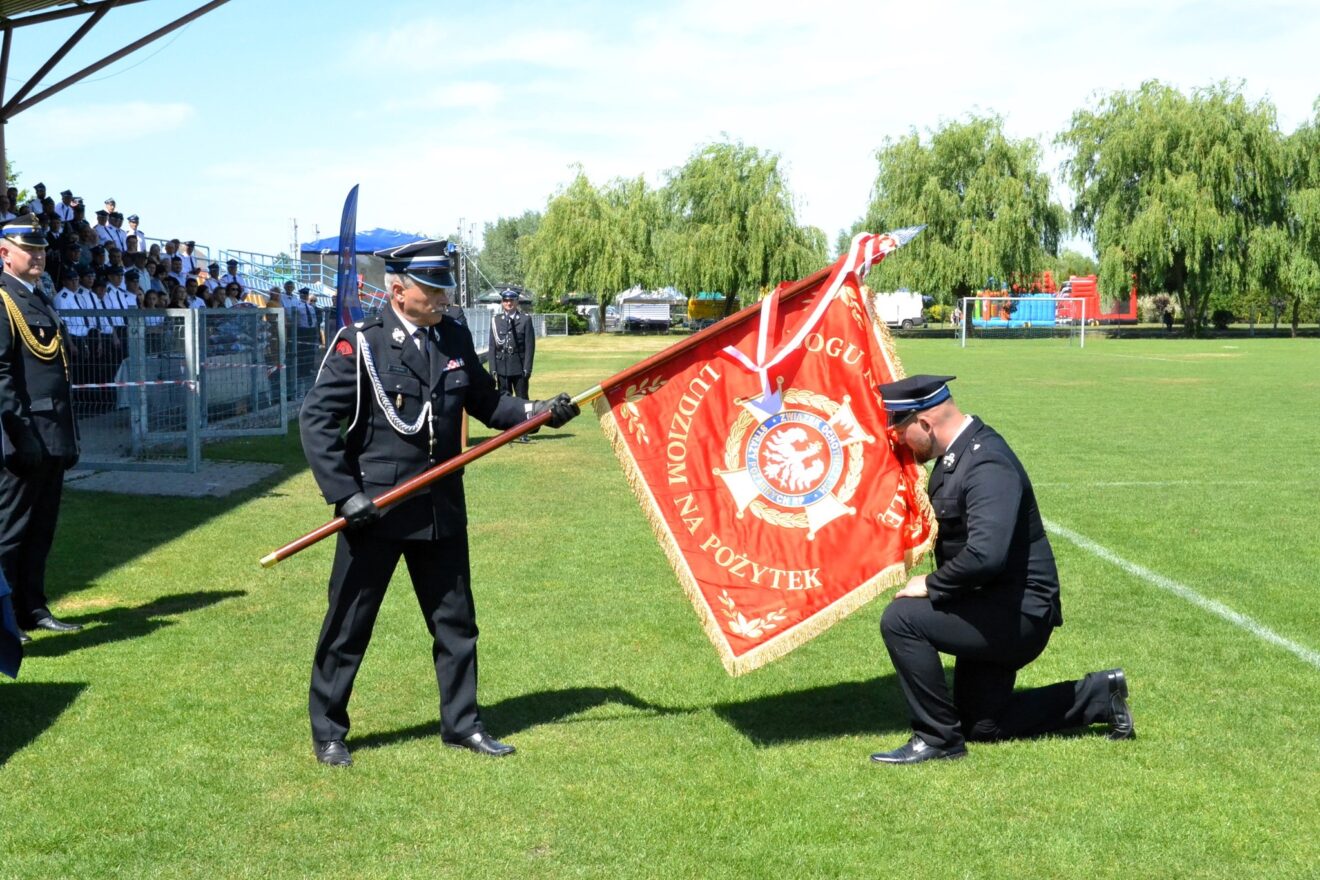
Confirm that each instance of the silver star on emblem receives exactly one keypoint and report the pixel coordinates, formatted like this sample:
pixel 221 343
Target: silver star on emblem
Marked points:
pixel 948 460
pixel 398 335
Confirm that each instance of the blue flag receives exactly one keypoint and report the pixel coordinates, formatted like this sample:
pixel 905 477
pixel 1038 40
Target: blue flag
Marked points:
pixel 348 308
pixel 11 649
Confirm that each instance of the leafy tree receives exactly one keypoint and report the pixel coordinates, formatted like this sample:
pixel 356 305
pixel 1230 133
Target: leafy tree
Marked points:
pixel 1171 187
pixel 1284 258
pixel 730 225
pixel 593 240
pixel 501 258
pixel 11 179
pixel 984 200
pixel 1071 262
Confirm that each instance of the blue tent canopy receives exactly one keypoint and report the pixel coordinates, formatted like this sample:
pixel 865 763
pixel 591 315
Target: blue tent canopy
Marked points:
pixel 367 242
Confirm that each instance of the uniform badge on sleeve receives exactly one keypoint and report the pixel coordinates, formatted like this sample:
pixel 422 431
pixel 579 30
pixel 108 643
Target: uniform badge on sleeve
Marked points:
pixel 344 347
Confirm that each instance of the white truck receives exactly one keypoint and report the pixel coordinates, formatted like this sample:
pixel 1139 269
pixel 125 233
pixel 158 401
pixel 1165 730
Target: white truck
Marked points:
pixel 900 309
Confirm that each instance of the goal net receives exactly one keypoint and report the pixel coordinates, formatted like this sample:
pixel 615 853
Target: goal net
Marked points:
pixel 1031 316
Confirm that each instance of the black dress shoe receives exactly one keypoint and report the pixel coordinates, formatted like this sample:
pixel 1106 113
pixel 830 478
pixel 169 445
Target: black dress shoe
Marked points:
pixel 23 638
pixel 54 624
pixel 916 750
pixel 1120 716
pixel 483 744
pixel 332 752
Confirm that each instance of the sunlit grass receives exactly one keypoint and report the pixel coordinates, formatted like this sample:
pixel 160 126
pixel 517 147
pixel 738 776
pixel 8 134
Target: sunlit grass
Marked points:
pixel 170 738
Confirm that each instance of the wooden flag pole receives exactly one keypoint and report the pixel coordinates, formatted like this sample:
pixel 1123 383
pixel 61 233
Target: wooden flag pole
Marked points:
pixel 425 478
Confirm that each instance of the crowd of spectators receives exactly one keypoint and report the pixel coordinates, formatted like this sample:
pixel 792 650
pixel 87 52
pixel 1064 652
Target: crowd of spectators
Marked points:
pixel 100 264
pixel 133 271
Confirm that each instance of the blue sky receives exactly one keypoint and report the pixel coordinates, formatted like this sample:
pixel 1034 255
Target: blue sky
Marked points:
pixel 264 111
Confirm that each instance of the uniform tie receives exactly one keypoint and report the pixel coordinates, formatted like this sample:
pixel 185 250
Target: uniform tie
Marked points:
pixel 424 346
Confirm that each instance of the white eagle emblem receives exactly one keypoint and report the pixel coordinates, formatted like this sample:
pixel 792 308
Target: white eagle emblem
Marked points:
pixel 786 457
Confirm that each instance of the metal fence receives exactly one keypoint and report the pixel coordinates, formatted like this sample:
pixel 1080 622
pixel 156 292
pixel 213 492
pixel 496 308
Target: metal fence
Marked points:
pixel 150 387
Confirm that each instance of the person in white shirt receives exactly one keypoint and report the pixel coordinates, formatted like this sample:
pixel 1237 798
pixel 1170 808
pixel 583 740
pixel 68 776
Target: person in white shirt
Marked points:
pixel 103 232
pixel 35 204
pixel 231 277
pixel 134 232
pixel 195 300
pixel 66 299
pixel 118 236
pixel 64 210
pixel 118 297
pixel 176 270
pixel 5 214
pixel 190 265
pixel 212 276
pixel 289 299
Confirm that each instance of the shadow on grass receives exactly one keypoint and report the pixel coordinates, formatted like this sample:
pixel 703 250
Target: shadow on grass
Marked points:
pixel 516 714
pixel 91 541
pixel 121 624
pixel 27 709
pixel 849 708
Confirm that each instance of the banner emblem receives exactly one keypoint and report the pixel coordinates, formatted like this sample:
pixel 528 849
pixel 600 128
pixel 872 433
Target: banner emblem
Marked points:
pixel 790 472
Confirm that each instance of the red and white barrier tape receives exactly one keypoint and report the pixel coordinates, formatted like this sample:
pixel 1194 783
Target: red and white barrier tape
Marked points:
pixel 186 382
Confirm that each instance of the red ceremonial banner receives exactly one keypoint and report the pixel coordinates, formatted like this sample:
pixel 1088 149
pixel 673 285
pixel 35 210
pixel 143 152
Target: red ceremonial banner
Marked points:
pixel 762 460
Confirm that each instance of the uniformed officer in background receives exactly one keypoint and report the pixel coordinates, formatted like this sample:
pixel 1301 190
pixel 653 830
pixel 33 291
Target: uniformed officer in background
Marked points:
pixel 36 414
pixel 992 600
pixel 400 383
pixel 512 346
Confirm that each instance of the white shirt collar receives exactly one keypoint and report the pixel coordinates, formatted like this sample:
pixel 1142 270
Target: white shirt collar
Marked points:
pixel 967 420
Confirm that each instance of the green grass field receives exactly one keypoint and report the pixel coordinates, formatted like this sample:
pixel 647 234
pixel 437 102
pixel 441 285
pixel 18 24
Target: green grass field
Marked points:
pixel 170 737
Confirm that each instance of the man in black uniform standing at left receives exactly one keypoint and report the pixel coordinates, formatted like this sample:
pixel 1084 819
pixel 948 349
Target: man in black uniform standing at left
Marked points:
pixel 36 416
pixel 400 383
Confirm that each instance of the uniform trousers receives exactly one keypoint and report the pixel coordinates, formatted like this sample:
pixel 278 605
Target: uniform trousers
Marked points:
pixel 514 385
pixel 991 643
pixel 364 564
pixel 29 510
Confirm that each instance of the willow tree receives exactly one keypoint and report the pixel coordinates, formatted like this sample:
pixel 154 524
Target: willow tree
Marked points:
pixel 1171 187
pixel 501 257
pixel 1284 258
pixel 985 202
pixel 730 226
pixel 594 240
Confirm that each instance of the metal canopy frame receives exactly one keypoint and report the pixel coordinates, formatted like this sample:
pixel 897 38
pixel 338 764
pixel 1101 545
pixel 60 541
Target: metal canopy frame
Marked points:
pixel 12 17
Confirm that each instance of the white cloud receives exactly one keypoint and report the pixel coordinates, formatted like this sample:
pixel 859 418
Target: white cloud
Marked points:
pixel 102 123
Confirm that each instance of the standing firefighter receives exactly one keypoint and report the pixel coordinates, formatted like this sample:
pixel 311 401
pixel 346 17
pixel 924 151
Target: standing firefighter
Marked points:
pixel 512 346
pixel 399 384
pixel 36 415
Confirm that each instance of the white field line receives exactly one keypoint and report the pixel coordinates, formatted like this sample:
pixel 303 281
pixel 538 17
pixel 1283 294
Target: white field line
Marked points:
pixel 1219 609
pixel 1124 484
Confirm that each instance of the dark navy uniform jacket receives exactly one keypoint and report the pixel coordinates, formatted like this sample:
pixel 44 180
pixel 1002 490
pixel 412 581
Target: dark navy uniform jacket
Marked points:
pixel 991 540
pixel 370 455
pixel 34 393
pixel 514 358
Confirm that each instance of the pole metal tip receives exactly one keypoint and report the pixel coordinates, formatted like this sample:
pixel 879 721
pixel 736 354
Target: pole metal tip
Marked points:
pixel 268 560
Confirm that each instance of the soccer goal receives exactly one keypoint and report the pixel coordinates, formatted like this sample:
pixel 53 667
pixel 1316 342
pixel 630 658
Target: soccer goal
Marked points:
pixel 1032 316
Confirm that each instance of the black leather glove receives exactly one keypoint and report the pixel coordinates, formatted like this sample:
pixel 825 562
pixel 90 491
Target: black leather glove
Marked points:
pixel 359 511
pixel 561 407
